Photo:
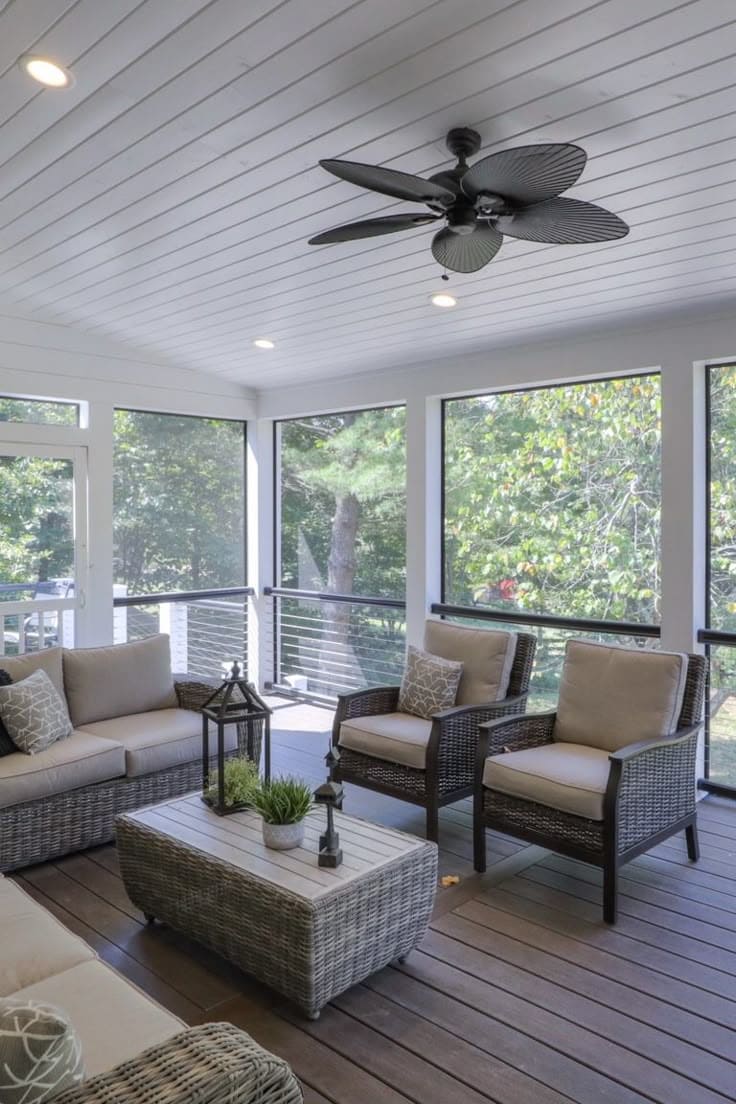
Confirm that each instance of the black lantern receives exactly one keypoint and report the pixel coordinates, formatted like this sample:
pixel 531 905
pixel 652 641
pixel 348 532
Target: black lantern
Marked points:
pixel 330 794
pixel 236 701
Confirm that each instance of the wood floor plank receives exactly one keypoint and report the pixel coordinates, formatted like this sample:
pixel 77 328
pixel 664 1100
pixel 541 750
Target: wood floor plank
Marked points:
pixel 711 993
pixel 469 1065
pixel 582 1027
pixel 590 1002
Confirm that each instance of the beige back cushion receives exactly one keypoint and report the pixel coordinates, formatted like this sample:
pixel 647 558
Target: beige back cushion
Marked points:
pixel 48 660
pixel 124 678
pixel 487 657
pixel 611 696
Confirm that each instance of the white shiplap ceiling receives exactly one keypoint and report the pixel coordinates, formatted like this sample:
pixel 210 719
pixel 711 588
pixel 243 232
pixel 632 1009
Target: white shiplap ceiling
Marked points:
pixel 166 199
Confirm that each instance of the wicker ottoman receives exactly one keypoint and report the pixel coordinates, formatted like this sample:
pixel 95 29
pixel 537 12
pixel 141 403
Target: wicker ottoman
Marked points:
pixel 309 933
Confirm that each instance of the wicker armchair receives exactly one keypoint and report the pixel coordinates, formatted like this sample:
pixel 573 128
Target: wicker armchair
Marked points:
pixel 648 794
pixel 216 1063
pixel 449 751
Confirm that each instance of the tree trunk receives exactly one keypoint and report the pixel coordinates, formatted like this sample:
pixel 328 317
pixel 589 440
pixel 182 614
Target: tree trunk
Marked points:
pixel 335 650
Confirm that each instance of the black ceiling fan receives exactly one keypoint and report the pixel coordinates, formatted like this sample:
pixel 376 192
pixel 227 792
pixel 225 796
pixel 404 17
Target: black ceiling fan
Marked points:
pixel 516 192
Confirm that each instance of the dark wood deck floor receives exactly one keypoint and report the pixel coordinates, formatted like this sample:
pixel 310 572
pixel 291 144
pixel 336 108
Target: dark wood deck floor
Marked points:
pixel 519 994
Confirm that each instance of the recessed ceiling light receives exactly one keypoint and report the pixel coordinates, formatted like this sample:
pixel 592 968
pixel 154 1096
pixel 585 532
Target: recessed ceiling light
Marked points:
pixel 263 343
pixel 444 299
pixel 46 71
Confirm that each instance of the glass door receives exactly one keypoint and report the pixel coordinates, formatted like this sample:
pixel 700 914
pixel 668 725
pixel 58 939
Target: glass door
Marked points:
pixel 43 545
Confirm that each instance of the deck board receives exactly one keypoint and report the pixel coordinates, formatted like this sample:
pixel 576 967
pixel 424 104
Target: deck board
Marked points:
pixel 519 995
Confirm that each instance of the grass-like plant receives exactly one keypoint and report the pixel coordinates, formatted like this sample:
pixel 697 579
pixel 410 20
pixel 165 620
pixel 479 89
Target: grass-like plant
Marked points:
pixel 241 783
pixel 283 800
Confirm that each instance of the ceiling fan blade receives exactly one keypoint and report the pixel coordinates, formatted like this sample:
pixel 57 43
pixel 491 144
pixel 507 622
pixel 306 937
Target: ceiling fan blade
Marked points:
pixel 371 228
pixel 527 174
pixel 466 252
pixel 563 221
pixel 390 182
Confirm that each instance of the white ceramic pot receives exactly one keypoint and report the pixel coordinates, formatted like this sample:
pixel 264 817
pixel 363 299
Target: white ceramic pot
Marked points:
pixel 282 837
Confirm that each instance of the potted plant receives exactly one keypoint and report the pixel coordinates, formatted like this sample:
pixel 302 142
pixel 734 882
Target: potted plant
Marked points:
pixel 241 784
pixel 283 803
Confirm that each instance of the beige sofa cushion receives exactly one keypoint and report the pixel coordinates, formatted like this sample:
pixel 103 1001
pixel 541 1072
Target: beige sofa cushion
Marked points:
pixel 48 660
pixel 79 760
pixel 395 737
pixel 114 1020
pixel 118 680
pixel 611 696
pixel 160 739
pixel 569 777
pixel 487 657
pixel 33 944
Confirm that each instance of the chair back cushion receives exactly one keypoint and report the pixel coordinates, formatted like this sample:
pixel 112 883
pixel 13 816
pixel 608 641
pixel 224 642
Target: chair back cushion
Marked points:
pixel 612 696
pixel 487 656
pixel 118 680
pixel 48 660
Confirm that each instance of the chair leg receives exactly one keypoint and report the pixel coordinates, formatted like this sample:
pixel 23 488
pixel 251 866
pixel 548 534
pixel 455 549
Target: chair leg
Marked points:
pixel 693 845
pixel 610 892
pixel 433 820
pixel 479 836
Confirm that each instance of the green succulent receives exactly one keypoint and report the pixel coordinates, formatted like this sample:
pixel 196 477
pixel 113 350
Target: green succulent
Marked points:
pixel 283 801
pixel 241 783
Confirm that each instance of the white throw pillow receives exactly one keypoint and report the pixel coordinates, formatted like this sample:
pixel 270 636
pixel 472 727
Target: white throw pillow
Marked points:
pixel 34 713
pixel 40 1052
pixel 429 684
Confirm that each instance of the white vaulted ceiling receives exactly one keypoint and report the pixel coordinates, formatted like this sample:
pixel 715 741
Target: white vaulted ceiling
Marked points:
pixel 166 199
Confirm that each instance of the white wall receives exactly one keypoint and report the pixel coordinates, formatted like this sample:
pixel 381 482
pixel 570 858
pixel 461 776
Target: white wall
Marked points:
pixel 56 362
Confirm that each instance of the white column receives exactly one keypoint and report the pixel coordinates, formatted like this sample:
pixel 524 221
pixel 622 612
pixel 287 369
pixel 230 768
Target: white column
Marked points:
pixel 260 507
pixel 95 625
pixel 423 512
pixel 683 510
pixel 683 505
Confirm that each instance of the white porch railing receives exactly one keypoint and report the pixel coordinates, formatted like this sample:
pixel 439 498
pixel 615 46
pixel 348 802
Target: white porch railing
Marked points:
pixel 28 626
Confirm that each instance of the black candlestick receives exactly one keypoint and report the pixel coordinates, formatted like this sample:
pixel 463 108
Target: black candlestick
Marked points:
pixel 330 795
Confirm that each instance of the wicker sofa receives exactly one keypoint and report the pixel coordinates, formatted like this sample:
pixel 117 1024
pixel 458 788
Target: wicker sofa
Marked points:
pixel 137 739
pixel 134 1051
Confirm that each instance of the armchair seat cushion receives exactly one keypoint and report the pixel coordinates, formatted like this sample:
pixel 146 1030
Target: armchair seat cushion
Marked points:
pixel 160 739
pixel 568 777
pixel 396 737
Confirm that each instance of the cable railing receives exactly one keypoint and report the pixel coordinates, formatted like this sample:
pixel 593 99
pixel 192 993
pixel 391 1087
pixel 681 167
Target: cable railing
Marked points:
pixel 207 628
pixel 326 644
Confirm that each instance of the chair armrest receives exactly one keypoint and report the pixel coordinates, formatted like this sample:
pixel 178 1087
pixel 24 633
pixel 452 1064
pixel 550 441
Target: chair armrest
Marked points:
pixel 485 711
pixel 625 754
pixel 364 703
pixel 192 691
pixel 651 786
pixel 526 730
pixel 218 1063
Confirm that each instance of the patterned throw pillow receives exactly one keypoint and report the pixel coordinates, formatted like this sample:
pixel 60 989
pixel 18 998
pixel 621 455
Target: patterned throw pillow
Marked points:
pixel 34 713
pixel 7 747
pixel 40 1053
pixel 429 684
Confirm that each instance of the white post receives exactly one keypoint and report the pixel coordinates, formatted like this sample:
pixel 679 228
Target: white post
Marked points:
pixel 95 627
pixel 423 512
pixel 119 615
pixel 683 508
pixel 172 619
pixel 260 501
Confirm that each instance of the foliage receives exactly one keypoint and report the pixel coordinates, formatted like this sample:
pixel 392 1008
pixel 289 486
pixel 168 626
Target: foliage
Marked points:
pixel 283 800
pixel 326 458
pixel 723 497
pixel 241 783
pixel 179 502
pixel 553 500
pixel 36 541
pixel 38 412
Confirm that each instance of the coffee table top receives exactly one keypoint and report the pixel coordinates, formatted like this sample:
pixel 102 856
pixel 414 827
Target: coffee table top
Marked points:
pixel 237 841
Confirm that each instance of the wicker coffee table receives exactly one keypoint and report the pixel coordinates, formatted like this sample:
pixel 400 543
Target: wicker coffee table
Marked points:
pixel 310 933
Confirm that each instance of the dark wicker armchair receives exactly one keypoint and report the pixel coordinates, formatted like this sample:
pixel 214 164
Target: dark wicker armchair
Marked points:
pixel 646 791
pixel 443 758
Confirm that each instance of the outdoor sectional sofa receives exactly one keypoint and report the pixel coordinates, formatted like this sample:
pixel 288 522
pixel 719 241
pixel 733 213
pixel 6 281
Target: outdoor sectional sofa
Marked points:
pixel 137 739
pixel 134 1051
